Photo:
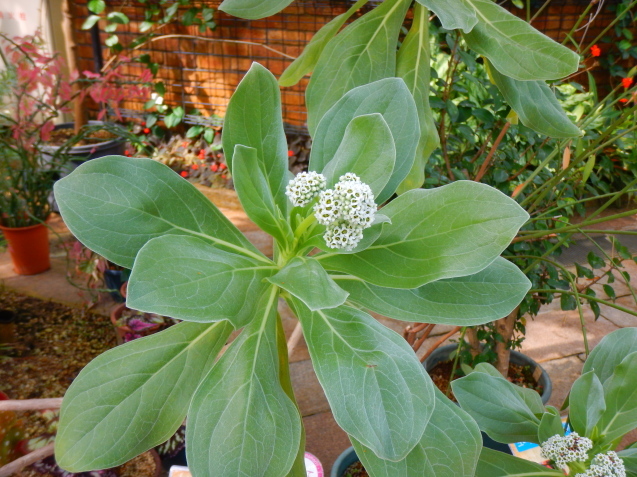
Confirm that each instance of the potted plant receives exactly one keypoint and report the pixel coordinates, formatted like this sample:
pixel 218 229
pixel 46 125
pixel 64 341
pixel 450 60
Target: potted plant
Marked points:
pixel 370 124
pixel 36 90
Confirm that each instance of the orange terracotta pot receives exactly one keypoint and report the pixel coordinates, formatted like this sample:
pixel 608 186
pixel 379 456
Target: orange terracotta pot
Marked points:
pixel 29 248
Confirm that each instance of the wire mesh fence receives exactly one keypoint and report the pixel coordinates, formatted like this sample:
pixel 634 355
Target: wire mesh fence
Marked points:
pixel 201 70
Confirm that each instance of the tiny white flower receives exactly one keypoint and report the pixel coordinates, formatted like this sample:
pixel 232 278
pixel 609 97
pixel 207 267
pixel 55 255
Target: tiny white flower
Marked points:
pixel 346 211
pixel 343 235
pixel 605 465
pixel 304 187
pixel 158 99
pixel 565 449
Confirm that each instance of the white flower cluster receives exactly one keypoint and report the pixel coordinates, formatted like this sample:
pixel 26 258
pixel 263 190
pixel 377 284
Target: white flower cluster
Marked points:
pixel 565 449
pixel 304 187
pixel 605 465
pixel 346 210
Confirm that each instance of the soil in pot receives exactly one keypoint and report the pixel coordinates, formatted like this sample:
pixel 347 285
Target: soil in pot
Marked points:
pixel 356 470
pixel 61 135
pixel 519 375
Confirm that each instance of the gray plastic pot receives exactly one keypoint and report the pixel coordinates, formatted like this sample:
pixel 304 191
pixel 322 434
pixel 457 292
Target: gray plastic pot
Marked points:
pixel 347 458
pixel 444 352
pixel 77 155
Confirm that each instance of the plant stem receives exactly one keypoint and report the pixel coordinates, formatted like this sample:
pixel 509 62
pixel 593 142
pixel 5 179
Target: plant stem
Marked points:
pixel 298 468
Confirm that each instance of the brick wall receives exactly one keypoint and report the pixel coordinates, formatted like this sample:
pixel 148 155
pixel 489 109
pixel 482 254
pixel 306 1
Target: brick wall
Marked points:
pixel 203 74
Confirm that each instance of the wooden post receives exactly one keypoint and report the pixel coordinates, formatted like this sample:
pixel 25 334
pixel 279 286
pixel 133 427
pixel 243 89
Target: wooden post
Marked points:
pixel 71 53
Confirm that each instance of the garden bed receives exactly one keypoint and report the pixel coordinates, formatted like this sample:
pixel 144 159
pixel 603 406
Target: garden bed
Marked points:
pixel 50 344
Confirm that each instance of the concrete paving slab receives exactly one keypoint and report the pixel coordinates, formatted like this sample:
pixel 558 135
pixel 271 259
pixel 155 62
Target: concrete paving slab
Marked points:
pixel 618 317
pixel 325 439
pixel 558 334
pixel 307 389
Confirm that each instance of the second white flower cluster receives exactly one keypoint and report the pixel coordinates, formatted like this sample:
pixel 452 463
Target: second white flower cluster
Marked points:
pixel 346 210
pixel 572 448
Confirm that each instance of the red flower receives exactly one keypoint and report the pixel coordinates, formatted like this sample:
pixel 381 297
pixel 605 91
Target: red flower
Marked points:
pixel 596 50
pixel 223 176
pixel 127 153
pixel 195 166
pixel 143 123
pixel 290 153
pixel 183 174
pixel 214 168
pixel 184 144
pixel 202 154
pixel 146 131
pixel 623 100
pixel 222 166
pixel 627 82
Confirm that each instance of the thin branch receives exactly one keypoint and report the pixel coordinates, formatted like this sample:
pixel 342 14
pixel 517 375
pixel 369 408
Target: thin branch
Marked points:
pixel 26 460
pixel 30 404
pixel 485 165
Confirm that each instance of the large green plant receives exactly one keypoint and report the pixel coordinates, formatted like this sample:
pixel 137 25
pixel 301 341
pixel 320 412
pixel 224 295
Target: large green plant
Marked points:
pixel 602 410
pixel 430 254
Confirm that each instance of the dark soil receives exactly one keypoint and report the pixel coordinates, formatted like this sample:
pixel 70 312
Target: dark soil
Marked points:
pixel 60 136
pixel 356 470
pixel 50 344
pixel 519 375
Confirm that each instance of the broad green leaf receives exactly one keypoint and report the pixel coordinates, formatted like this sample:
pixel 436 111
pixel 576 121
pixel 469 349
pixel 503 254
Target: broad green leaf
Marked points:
pixel 498 464
pixel 531 398
pixel 378 391
pixel 189 279
pixel 515 48
pixel 453 14
pixel 304 278
pixel 369 237
pixel 413 65
pixel 449 447
pixel 497 407
pixel 365 51
pixel 610 351
pixel 620 394
pixel 253 9
pixel 550 424
pixel 253 119
pixel 389 97
pixel 535 104
pixel 629 456
pixel 251 183
pixel 487 368
pixel 452 231
pixel 471 300
pixel 134 397
pixel 241 422
pixel 115 204
pixel 307 60
pixel 367 150
pixel 586 403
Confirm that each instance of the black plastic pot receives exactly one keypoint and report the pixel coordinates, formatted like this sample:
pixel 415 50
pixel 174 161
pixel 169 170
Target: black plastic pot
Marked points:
pixel 444 354
pixel 113 279
pixel 7 326
pixel 79 154
pixel 347 458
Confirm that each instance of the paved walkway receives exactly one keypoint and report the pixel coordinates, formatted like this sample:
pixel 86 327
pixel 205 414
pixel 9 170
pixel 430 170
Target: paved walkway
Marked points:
pixel 554 337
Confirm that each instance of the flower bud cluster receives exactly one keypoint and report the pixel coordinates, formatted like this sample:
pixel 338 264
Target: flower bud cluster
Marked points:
pixel 346 210
pixel 304 187
pixel 605 465
pixel 565 449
